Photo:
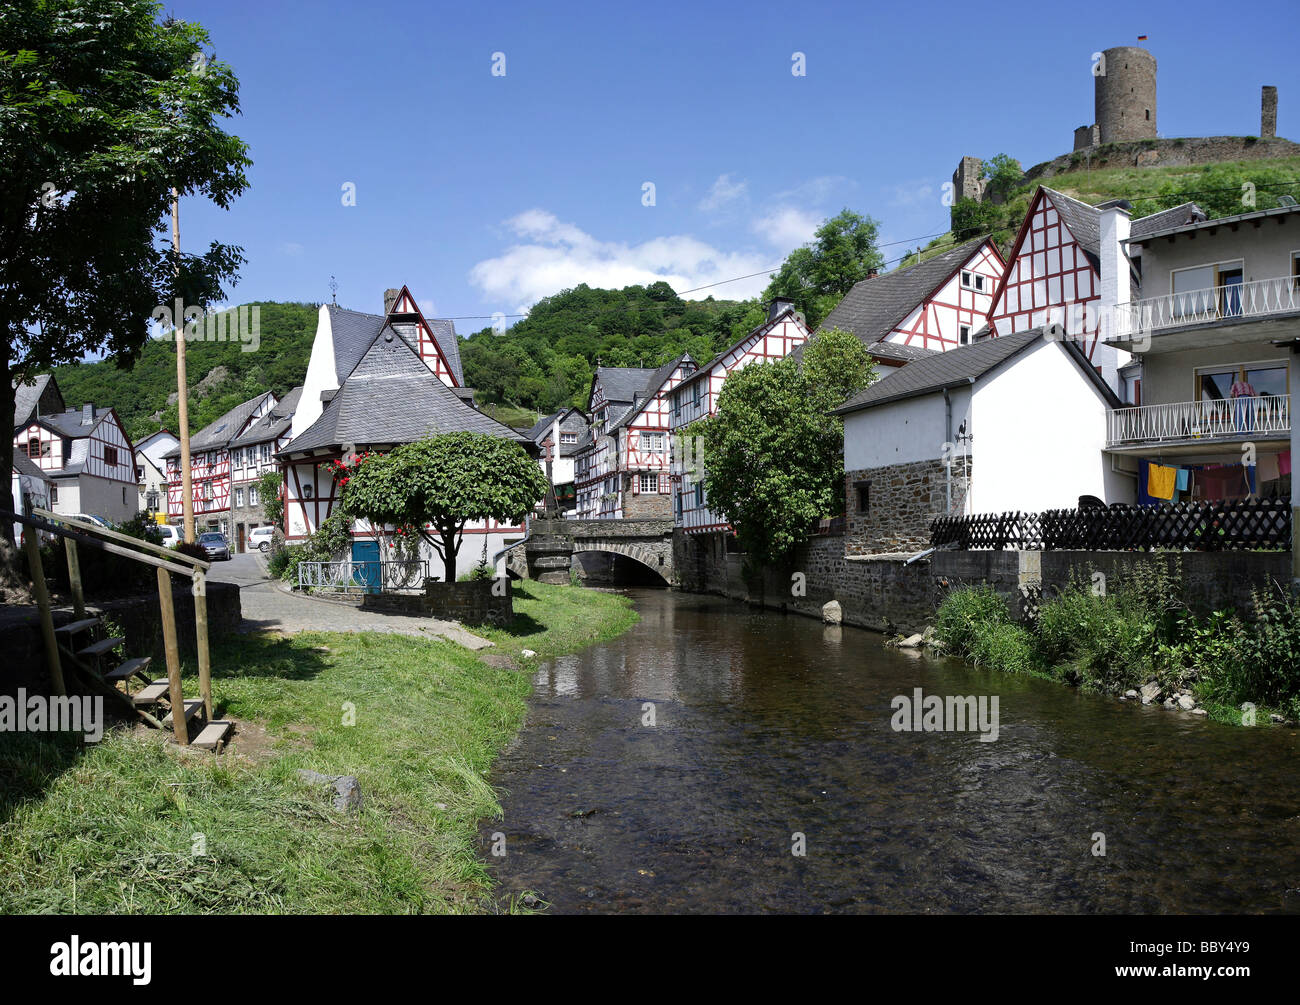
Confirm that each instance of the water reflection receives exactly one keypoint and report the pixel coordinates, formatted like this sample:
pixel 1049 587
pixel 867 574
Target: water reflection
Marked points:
pixel 767 725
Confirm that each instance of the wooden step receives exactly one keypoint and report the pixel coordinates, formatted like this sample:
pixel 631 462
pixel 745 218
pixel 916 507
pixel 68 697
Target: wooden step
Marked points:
pixel 213 735
pixel 101 647
pixel 193 706
pixel 130 668
pixel 72 627
pixel 152 693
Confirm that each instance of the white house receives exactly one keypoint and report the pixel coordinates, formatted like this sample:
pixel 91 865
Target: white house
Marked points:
pixel 1011 423
pixel 88 459
pixel 151 469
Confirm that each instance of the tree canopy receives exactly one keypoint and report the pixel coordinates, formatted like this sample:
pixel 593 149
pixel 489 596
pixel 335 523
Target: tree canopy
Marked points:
pixel 817 275
pixel 773 454
pixel 104 110
pixel 445 482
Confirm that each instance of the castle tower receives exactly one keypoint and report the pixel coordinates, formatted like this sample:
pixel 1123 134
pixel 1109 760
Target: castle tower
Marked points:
pixel 1125 95
pixel 1267 112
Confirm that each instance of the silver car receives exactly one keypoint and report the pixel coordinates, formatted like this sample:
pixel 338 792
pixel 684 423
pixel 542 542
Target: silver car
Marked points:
pixel 215 545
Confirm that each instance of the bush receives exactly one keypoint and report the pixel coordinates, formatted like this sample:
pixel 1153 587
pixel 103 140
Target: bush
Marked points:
pixel 964 614
pixel 193 549
pixel 1004 646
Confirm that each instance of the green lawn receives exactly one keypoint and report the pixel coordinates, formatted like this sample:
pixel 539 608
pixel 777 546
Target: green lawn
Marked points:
pixel 114 828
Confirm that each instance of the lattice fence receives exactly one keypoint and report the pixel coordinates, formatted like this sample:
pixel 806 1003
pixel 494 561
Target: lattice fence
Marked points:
pixel 1228 525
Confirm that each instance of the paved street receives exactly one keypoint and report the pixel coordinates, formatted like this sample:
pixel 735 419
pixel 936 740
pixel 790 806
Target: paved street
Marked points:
pixel 268 607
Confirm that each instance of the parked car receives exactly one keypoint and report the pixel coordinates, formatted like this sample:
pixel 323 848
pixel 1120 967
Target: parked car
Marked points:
pixel 260 538
pixel 171 536
pixel 215 545
pixel 90 518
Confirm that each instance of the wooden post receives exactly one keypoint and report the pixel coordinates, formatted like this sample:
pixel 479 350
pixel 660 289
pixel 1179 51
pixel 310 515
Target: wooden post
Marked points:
pixel 180 725
pixel 74 577
pixel 182 391
pixel 201 637
pixel 43 603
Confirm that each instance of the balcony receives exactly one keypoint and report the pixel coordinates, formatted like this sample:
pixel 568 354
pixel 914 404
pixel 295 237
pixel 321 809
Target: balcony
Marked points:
pixel 1216 307
pixel 1200 423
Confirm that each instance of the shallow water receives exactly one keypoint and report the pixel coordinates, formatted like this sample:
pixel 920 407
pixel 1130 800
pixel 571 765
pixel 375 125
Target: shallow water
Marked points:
pixel 768 725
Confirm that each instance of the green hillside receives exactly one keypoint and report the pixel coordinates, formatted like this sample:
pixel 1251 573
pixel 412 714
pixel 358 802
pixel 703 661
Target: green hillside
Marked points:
pixel 220 374
pixel 545 361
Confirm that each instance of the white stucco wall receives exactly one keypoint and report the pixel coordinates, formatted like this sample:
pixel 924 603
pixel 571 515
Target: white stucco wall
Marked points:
pixel 1039 429
pixel 320 375
pixel 914 429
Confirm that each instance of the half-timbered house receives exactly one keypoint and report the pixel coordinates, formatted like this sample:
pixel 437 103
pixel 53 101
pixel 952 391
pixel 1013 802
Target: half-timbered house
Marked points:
pixel 88 459
pixel 696 397
pixel 557 437
pixel 375 382
pixel 622 466
pixel 935 305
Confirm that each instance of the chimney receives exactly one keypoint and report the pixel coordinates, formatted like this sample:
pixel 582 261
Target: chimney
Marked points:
pixel 390 298
pixel 1116 287
pixel 779 306
pixel 1267 112
pixel 87 415
pixel 872 272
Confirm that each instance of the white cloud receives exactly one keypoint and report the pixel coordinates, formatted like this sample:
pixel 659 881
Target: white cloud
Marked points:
pixel 723 191
pixel 291 248
pixel 787 227
pixel 553 255
pixel 815 190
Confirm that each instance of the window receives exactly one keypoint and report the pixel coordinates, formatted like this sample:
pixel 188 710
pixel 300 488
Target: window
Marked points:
pixel 110 456
pixel 677 503
pixel 1250 380
pixel 697 394
pixel 979 282
pixel 266 452
pixel 967 279
pixel 1295 269
pixel 648 483
pixel 252 495
pixel 239 497
pixel 54 494
pixel 1207 291
pixel 652 442
pixel 36 447
pixel 699 495
pixel 568 437
pixel 123 495
pixel 964 334
pixel 864 495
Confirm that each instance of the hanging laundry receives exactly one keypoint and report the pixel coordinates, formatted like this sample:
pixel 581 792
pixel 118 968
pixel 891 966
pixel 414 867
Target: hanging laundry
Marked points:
pixel 1284 462
pixel 1184 479
pixel 1161 481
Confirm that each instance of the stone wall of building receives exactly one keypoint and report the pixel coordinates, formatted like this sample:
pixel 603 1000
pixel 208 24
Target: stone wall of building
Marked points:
pixel 647 506
pixel 472 602
pixel 903 500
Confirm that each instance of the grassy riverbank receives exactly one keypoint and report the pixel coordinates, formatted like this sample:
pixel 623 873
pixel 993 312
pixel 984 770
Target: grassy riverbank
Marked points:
pixel 1140 633
pixel 115 827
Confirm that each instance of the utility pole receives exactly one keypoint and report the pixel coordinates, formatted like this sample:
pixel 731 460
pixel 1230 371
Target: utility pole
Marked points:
pixel 182 392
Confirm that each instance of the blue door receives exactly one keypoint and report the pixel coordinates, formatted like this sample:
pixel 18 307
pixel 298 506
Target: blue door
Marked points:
pixel 365 565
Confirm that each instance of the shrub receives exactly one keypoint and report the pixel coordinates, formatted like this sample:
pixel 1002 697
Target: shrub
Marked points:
pixel 193 549
pixel 964 614
pixel 1004 646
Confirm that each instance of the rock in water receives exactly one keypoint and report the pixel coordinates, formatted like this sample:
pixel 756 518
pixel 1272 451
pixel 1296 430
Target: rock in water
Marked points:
pixel 1187 703
pixel 832 613
pixel 912 642
pixel 1150 692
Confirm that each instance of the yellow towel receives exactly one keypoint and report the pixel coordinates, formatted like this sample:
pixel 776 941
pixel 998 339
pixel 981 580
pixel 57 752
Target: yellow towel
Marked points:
pixel 1161 481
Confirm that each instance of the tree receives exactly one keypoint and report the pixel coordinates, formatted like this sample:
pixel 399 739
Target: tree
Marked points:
pixel 773 453
pixel 975 219
pixel 446 482
pixel 817 275
pixel 269 487
pixel 1003 174
pixel 103 111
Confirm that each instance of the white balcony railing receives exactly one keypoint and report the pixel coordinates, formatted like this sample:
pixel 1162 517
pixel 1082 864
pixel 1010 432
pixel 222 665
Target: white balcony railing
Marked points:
pixel 1209 419
pixel 1217 303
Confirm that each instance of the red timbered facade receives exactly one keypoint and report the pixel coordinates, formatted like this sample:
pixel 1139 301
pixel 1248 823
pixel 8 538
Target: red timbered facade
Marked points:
pixel 696 397
pixel 88 458
pixel 408 320
pixel 957 308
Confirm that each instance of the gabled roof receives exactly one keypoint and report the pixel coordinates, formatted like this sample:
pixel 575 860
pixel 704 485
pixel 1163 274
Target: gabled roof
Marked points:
pixel 392 397
pixel 1175 217
pixel 24 465
pixel 273 424
pixel 757 331
pixel 223 430
pixel 28 396
pixel 353 333
pixel 653 384
pixel 960 367
pixel 876 306
pixel 72 423
pixel 621 383
pixel 1168 227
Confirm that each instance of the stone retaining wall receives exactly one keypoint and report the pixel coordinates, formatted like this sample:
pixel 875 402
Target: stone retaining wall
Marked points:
pixel 472 602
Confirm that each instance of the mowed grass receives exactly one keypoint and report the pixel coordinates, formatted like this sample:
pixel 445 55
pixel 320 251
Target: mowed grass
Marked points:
pixel 118 827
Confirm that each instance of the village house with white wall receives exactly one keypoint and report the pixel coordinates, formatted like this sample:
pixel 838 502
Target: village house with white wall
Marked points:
pixel 557 437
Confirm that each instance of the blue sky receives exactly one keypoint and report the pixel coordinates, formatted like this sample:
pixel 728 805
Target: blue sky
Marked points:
pixel 483 193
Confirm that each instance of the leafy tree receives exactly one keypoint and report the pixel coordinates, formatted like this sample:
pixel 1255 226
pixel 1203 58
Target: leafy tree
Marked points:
pixel 1003 174
pixel 817 275
pixel 974 219
pixel 773 453
pixel 268 490
pixel 445 481
pixel 103 111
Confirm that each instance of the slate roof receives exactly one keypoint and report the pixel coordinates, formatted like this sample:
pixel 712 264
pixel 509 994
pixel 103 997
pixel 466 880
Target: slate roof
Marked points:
pixel 222 430
pixel 1175 226
pixel 273 424
pixel 874 307
pixel 1084 221
pixel 24 465
pixel 392 397
pixel 1178 216
pixel 26 398
pixel 622 383
pixel 652 385
pixel 353 332
pixel 959 367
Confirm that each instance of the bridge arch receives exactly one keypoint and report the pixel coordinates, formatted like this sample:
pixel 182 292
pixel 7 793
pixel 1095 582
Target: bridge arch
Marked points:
pixel 653 559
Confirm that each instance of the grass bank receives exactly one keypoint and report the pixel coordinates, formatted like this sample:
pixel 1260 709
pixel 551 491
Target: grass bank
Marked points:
pixel 119 827
pixel 1136 633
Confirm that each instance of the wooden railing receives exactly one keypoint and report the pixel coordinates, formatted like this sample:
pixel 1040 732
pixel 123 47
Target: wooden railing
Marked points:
pixel 166 561
pixel 1227 525
pixel 1207 419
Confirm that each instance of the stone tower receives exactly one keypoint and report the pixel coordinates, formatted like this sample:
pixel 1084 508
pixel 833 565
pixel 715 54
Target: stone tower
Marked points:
pixel 966 180
pixel 1267 112
pixel 1125 95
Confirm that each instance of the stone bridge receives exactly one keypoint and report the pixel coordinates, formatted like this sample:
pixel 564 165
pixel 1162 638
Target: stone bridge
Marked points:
pixel 548 553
